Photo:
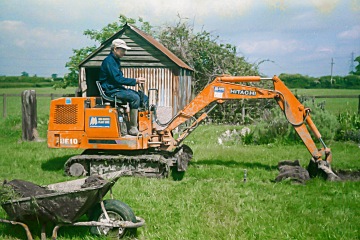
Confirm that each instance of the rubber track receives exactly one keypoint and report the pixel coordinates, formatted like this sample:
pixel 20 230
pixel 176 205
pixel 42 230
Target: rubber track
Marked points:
pixel 158 163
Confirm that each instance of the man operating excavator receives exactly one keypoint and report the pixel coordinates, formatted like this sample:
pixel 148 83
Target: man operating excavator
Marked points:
pixel 113 81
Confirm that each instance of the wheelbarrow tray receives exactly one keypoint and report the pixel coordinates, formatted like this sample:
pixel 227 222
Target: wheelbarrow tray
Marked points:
pixel 66 205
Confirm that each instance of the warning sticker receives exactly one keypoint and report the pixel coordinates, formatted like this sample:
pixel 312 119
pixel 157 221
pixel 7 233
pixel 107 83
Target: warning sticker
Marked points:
pixel 218 92
pixel 99 122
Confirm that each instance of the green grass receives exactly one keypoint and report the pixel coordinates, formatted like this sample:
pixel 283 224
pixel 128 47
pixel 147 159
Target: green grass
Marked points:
pixel 212 201
pixel 45 90
pixel 330 92
pixel 333 105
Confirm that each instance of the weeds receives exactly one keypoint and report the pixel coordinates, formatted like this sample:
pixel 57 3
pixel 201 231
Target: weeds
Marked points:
pixel 7 193
pixel 349 129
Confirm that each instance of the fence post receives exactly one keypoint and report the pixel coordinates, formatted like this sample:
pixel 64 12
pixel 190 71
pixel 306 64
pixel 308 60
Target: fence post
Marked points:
pixel 29 116
pixel 243 112
pixel 4 106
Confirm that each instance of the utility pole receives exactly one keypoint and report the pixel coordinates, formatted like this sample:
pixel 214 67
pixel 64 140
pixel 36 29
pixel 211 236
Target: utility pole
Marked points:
pixel 332 65
pixel 352 63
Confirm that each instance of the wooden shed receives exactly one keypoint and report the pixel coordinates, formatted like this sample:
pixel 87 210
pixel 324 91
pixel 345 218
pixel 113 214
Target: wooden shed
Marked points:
pixel 148 58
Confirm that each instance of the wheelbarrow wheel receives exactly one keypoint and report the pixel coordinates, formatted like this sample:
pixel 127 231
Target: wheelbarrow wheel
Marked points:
pixel 116 210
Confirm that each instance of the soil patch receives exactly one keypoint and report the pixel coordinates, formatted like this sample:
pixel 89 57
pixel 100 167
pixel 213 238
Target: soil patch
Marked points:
pixel 15 189
pixel 19 188
pixel 292 170
pixel 348 175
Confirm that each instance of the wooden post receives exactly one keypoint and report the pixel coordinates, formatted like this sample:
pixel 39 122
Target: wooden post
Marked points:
pixel 243 112
pixel 4 106
pixel 29 115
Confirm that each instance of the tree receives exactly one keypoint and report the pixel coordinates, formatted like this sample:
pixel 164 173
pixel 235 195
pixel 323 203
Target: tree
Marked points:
pixel 71 79
pixel 204 52
pixel 24 74
pixel 199 50
pixel 357 68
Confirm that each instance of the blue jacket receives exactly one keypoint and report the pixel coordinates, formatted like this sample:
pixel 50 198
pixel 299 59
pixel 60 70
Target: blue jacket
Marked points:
pixel 111 77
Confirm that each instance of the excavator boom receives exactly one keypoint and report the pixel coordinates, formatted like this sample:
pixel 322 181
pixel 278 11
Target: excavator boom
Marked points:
pixel 225 88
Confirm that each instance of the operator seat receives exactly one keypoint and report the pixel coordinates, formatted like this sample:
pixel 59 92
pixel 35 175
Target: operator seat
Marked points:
pixel 114 100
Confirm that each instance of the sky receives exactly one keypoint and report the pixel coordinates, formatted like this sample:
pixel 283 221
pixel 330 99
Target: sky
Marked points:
pixel 309 37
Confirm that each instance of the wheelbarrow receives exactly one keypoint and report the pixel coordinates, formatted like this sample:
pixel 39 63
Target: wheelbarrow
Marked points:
pixel 67 201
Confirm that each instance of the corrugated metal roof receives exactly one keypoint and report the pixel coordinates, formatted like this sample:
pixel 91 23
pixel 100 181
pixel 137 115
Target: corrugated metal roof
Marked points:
pixel 146 37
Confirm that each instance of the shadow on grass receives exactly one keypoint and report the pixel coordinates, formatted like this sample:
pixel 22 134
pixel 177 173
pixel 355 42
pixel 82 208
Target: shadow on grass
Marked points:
pixel 249 165
pixel 55 164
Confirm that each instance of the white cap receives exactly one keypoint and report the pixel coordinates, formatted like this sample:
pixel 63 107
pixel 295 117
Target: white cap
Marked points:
pixel 119 43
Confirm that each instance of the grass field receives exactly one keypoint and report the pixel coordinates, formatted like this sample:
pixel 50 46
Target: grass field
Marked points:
pixel 212 201
pixel 333 105
pixel 43 103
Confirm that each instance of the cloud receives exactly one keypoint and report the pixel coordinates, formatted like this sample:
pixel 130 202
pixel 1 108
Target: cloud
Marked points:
pixel 277 4
pixel 355 5
pixel 271 47
pixel 352 33
pixel 326 50
pixel 325 6
pixel 20 34
pixel 9 25
pixel 281 30
pixel 160 11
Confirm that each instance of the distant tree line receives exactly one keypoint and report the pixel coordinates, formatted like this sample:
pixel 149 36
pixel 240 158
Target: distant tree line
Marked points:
pixel 303 81
pixel 27 81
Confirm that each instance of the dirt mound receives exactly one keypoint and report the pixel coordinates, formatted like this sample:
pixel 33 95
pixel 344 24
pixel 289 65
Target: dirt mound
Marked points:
pixel 348 175
pixel 15 189
pixel 292 170
pixel 94 181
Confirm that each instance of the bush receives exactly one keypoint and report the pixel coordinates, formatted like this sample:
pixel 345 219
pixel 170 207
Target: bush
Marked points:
pixel 326 122
pixel 349 129
pixel 274 127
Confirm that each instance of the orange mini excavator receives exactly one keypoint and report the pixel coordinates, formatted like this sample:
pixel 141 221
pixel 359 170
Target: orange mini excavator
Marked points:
pixel 97 125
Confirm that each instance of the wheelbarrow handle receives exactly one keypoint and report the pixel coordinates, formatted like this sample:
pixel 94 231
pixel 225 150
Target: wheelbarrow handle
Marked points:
pixel 128 224
pixel 26 228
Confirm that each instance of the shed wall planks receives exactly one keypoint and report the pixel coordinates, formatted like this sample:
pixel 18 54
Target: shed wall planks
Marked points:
pixel 158 78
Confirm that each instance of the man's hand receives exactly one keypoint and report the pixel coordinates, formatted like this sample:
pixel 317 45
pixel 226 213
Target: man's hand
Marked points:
pixel 140 80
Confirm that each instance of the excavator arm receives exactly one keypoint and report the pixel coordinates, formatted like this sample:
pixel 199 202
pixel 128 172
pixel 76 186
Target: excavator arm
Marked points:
pixel 225 88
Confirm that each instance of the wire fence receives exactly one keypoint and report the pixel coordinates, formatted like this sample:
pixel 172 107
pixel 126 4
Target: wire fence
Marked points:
pixel 249 111
pixel 240 110
pixel 6 103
